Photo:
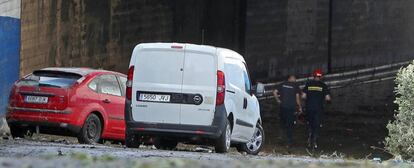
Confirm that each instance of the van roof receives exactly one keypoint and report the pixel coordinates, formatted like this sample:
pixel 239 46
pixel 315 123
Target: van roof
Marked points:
pixel 204 48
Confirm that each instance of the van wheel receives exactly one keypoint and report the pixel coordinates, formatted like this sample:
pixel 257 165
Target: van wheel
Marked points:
pixel 131 140
pixel 19 132
pixel 224 141
pixel 255 144
pixel 91 130
pixel 165 144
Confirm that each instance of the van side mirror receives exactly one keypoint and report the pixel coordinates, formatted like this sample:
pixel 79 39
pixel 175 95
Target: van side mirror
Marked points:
pixel 259 89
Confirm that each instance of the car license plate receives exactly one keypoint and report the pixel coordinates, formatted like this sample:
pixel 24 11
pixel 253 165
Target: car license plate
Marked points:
pixel 154 97
pixel 36 99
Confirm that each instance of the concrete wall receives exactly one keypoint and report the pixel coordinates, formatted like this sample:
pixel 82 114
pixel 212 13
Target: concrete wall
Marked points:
pixel 286 36
pixel 368 33
pixel 291 36
pixel 102 34
pixel 277 37
pixel 64 33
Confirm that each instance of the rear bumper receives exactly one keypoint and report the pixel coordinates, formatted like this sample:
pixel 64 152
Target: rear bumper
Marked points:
pixel 23 109
pixel 173 130
pixel 49 121
pixel 212 131
pixel 47 127
pixel 40 115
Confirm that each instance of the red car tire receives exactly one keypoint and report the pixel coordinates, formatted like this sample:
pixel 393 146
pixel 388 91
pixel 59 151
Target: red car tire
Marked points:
pixel 91 130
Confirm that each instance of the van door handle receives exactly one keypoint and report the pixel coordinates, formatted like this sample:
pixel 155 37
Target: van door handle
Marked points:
pixel 106 101
pixel 244 103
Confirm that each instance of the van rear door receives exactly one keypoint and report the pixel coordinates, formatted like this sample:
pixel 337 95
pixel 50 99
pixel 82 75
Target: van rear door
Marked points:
pixel 157 83
pixel 199 85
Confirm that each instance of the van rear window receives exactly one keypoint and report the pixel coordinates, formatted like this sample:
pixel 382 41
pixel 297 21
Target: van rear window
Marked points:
pixel 50 79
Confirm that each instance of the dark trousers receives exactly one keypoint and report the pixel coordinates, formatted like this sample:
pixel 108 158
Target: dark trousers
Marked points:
pixel 314 118
pixel 287 119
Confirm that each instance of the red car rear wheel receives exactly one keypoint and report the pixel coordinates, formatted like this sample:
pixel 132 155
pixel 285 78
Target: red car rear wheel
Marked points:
pixel 91 130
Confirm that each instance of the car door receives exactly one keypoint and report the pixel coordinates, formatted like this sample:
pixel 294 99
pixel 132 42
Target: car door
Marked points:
pixel 121 114
pixel 249 104
pixel 235 94
pixel 112 101
pixel 199 86
pixel 158 74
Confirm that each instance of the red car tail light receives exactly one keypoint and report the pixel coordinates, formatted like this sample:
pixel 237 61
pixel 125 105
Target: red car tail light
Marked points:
pixel 130 79
pixel 221 88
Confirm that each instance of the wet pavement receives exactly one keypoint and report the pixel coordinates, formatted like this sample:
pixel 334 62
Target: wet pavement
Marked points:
pixel 66 153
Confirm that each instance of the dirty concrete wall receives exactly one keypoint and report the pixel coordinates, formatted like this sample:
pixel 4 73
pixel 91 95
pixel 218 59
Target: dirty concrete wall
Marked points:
pixel 102 34
pixel 292 36
pixel 64 33
pixel 285 37
pixel 9 53
pixel 369 33
pixel 276 37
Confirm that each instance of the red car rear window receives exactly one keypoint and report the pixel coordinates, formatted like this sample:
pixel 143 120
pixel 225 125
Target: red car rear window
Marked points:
pixel 50 79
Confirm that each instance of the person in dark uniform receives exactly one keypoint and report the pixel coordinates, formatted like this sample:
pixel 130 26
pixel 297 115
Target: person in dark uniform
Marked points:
pixel 287 95
pixel 315 94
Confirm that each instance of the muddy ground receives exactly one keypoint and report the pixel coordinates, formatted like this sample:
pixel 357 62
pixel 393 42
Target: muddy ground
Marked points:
pixel 358 135
pixel 348 140
pixel 65 152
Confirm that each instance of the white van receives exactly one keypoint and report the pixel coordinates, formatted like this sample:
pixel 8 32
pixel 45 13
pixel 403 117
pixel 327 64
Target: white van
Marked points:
pixel 192 94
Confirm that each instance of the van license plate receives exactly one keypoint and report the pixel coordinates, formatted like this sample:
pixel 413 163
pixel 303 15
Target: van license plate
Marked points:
pixel 36 99
pixel 154 97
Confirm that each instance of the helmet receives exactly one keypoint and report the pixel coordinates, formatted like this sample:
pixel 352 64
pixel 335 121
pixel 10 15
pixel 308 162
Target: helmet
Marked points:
pixel 317 73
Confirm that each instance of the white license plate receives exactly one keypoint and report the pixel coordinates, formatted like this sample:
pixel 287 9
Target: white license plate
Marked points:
pixel 154 97
pixel 36 99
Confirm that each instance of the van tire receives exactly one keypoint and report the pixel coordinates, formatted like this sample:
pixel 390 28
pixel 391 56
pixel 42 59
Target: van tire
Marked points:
pixel 165 144
pixel 91 130
pixel 247 147
pixel 224 141
pixel 131 140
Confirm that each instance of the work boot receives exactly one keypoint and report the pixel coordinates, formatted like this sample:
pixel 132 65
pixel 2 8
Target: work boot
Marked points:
pixel 315 146
pixel 309 142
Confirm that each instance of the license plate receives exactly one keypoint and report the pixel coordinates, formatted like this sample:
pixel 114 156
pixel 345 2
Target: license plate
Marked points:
pixel 36 99
pixel 154 97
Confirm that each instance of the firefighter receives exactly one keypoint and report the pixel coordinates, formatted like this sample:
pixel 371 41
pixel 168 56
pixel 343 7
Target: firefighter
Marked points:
pixel 315 93
pixel 287 95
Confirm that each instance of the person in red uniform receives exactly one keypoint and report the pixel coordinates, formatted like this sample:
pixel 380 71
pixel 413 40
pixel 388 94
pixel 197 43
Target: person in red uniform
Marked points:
pixel 315 93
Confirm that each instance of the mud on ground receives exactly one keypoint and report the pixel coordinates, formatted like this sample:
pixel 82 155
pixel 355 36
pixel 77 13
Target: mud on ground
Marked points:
pixel 351 135
pixel 65 153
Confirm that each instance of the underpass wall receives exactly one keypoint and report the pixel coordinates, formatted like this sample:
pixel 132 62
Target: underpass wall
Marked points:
pixel 277 38
pixel 102 34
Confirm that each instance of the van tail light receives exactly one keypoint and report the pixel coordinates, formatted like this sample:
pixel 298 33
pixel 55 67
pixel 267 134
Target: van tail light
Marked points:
pixel 221 88
pixel 130 78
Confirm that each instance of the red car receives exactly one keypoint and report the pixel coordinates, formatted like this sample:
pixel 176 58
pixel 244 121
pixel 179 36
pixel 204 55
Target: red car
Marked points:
pixel 81 102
